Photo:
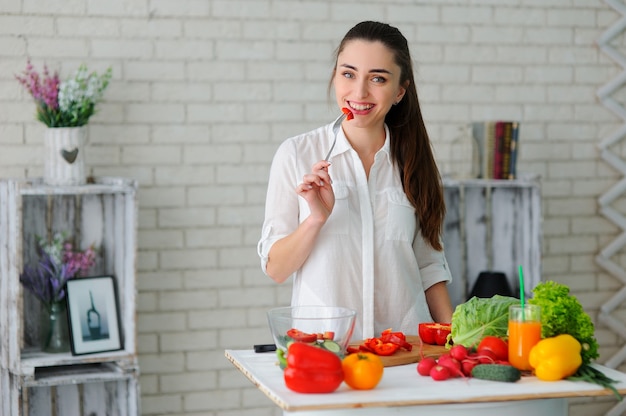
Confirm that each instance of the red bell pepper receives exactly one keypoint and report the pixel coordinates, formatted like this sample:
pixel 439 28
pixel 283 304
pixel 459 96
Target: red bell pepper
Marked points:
pixel 434 333
pixel 312 369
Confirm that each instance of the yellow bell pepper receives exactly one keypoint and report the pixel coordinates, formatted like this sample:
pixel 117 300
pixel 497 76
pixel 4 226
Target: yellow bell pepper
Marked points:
pixel 556 358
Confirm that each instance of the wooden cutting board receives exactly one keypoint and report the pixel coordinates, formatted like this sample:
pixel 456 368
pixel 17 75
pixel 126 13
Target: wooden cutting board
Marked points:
pixel 403 356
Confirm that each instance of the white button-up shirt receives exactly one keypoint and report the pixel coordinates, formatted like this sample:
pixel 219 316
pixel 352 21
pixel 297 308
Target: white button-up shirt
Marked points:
pixel 369 256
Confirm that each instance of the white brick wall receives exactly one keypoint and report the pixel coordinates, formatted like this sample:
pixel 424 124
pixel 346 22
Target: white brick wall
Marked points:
pixel 203 92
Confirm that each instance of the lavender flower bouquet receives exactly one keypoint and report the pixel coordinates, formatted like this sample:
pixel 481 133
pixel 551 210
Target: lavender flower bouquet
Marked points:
pixel 64 104
pixel 57 263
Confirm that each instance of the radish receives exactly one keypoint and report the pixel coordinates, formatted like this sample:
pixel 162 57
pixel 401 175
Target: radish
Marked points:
pixel 440 373
pixel 467 365
pixel 451 364
pixel 459 352
pixel 425 365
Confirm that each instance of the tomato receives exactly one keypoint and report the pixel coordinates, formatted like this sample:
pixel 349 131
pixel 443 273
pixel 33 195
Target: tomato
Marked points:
pixel 434 333
pixel 363 370
pixel 348 113
pixel 495 345
pixel 300 336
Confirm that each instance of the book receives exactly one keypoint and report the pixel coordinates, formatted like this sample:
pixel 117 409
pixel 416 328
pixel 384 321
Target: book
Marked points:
pixel 497 143
pixel 498 150
pixel 514 150
pixel 505 148
pixel 483 132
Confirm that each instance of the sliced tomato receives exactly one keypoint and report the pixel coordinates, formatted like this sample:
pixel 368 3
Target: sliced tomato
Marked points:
pixel 300 336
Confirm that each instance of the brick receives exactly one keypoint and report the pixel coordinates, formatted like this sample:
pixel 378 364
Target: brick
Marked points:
pixel 212 278
pixel 245 297
pixel 186 300
pixel 162 322
pixel 153 28
pixel 194 381
pixel 213 237
pixel 238 91
pixel 213 400
pixel 161 197
pixel 172 260
pixel 213 112
pixel 419 14
pixel 136 48
pixel 31 25
pixel 237 50
pixel 179 50
pixel 180 133
pixel 162 363
pixel 160 238
pixel 155 113
pixel 216 195
pixel 78 26
pixel 289 31
pixel 188 341
pixel 151 405
pixel 155 154
pixel 160 280
pixel 221 318
pixel 181 217
pixel 154 70
pixel 183 175
pixel 122 8
pixel 186 8
pixel 118 134
pixel 182 92
pixel 258 9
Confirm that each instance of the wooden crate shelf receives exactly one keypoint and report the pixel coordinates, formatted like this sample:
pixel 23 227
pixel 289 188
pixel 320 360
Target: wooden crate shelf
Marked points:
pixel 33 383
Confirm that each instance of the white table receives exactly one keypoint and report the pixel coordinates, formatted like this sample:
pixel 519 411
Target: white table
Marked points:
pixel 402 392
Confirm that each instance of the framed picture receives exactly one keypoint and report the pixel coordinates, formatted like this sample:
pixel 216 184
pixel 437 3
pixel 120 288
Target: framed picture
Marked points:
pixel 93 315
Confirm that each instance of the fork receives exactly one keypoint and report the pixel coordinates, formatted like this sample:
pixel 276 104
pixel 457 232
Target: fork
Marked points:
pixel 336 128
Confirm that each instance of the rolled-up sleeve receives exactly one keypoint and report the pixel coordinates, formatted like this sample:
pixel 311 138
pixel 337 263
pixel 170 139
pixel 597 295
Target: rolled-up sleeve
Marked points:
pixel 281 206
pixel 432 264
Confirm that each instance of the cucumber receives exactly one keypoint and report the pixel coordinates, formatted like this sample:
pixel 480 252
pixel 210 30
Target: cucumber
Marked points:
pixel 496 372
pixel 331 346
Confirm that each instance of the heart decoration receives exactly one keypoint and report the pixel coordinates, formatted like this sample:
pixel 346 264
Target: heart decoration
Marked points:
pixel 69 156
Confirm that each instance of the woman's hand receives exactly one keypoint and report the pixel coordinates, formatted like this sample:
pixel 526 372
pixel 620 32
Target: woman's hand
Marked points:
pixel 316 189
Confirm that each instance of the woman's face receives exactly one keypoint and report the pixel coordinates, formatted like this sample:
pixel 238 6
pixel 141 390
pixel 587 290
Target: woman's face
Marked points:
pixel 367 81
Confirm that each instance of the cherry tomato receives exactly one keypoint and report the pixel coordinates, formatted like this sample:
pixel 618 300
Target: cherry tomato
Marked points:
pixel 300 336
pixel 495 345
pixel 433 333
pixel 363 370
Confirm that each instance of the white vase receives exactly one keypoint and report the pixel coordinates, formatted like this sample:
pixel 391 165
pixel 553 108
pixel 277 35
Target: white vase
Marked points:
pixel 64 156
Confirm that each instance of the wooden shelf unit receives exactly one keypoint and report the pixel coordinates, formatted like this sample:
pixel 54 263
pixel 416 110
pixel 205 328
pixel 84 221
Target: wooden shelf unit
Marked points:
pixel 32 382
pixel 492 225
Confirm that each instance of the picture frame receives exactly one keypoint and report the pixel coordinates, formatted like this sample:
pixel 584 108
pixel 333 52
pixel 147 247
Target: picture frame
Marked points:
pixel 93 315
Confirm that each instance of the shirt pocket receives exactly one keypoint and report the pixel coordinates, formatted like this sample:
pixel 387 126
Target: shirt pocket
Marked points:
pixel 339 220
pixel 401 220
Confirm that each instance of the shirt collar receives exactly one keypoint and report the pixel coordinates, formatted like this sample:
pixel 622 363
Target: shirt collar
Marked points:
pixel 343 145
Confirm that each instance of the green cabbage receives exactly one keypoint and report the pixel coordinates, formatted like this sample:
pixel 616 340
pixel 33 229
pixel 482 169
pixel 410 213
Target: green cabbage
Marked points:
pixel 479 317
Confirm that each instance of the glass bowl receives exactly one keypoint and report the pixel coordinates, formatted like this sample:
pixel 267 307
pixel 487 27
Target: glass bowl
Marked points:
pixel 312 324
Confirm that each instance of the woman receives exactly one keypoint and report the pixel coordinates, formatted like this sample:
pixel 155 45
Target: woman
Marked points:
pixel 363 229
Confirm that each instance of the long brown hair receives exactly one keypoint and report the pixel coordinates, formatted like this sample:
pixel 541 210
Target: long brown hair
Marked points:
pixel 410 146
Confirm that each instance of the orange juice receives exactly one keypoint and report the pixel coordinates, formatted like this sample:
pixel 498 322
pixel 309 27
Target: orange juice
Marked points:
pixel 522 337
pixel 524 333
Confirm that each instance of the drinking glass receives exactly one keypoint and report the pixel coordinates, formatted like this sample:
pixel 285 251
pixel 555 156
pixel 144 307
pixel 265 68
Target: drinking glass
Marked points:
pixel 524 333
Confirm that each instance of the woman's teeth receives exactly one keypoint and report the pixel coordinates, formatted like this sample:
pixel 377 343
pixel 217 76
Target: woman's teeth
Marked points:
pixel 361 107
